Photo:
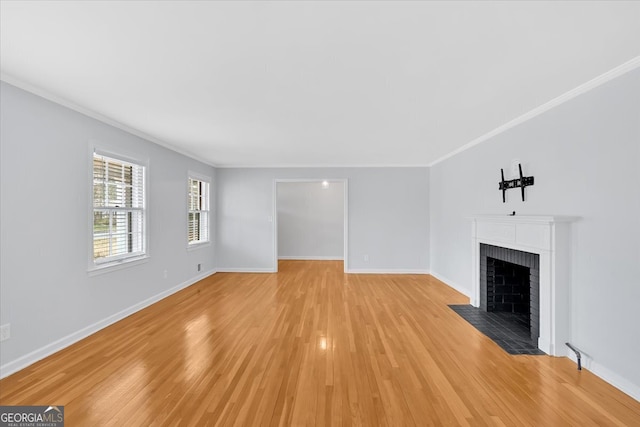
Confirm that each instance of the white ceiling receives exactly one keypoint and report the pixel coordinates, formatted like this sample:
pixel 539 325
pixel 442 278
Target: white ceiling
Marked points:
pixel 314 83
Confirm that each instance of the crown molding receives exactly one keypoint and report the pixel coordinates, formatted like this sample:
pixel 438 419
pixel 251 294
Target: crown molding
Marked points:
pixel 591 84
pixel 325 166
pixel 583 88
pixel 38 91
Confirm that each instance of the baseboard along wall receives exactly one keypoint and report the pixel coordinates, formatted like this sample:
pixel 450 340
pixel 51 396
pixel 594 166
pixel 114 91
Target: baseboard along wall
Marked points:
pixel 64 342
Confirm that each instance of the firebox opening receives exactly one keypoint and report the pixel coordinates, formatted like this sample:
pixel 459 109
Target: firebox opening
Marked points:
pixel 509 290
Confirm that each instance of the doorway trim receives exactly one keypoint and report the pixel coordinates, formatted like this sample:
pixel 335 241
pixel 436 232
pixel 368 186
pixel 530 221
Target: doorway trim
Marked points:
pixel 345 187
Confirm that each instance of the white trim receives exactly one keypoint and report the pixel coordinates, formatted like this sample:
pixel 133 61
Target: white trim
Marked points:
pixel 51 348
pixel 311 258
pixel 244 270
pixel 385 271
pixel 96 147
pixel 274 218
pixel 550 238
pixel 588 363
pixel 274 225
pixel 583 88
pixel 567 96
pixel 453 285
pixel 307 166
pixel 191 175
pixel 199 176
pixel 616 380
pixel 121 264
pixel 198 245
pixel 345 202
pixel 125 157
pixel 95 115
pixel 525 219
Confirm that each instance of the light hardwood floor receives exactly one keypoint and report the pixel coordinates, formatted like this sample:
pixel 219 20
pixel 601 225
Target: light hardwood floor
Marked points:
pixel 311 346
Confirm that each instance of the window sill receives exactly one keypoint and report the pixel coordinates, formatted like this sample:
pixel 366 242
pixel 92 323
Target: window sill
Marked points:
pixel 117 265
pixel 194 246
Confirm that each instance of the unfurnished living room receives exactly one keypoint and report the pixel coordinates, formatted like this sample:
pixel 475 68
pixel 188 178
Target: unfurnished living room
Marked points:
pixel 319 213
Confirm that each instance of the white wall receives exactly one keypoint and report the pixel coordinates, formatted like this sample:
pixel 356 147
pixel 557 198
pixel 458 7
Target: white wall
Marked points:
pixel 310 220
pixel 388 217
pixel 46 293
pixel 585 157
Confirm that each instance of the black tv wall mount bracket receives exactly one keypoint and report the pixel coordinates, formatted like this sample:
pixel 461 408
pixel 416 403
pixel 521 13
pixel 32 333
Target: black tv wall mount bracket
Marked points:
pixel 522 182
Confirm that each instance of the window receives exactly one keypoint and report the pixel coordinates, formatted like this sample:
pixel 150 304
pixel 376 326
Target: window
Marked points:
pixel 198 227
pixel 118 210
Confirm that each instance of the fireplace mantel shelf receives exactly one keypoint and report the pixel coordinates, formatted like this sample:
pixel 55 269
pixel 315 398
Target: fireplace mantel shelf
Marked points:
pixel 549 236
pixel 544 219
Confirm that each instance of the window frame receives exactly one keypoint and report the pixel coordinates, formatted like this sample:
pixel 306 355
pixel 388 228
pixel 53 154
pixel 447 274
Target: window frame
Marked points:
pixel 127 259
pixel 206 180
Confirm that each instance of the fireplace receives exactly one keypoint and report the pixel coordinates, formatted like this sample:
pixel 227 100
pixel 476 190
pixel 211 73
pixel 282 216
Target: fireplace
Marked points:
pixel 509 283
pixel 541 244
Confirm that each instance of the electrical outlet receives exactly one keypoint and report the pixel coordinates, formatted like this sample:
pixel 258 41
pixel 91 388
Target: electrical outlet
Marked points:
pixel 5 332
pixel 366 258
pixel 165 274
pixel 199 267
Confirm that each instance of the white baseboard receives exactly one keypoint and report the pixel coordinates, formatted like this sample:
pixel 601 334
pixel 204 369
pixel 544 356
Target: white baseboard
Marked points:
pixel 385 271
pixel 312 258
pixel 244 270
pixel 464 291
pixel 49 349
pixel 607 375
pixel 588 363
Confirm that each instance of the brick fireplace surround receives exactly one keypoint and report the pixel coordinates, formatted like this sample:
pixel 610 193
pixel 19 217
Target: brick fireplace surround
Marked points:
pixel 550 238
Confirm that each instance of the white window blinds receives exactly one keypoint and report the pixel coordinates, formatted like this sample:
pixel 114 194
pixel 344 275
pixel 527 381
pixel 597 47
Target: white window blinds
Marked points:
pixel 198 226
pixel 118 209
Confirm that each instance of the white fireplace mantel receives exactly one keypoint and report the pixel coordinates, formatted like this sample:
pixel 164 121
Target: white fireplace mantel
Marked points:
pixel 548 236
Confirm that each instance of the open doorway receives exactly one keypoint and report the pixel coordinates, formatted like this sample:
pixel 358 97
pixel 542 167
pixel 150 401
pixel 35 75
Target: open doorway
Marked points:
pixel 310 220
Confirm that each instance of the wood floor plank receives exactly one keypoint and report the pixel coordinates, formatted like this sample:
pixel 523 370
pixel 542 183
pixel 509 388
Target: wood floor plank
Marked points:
pixel 311 346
